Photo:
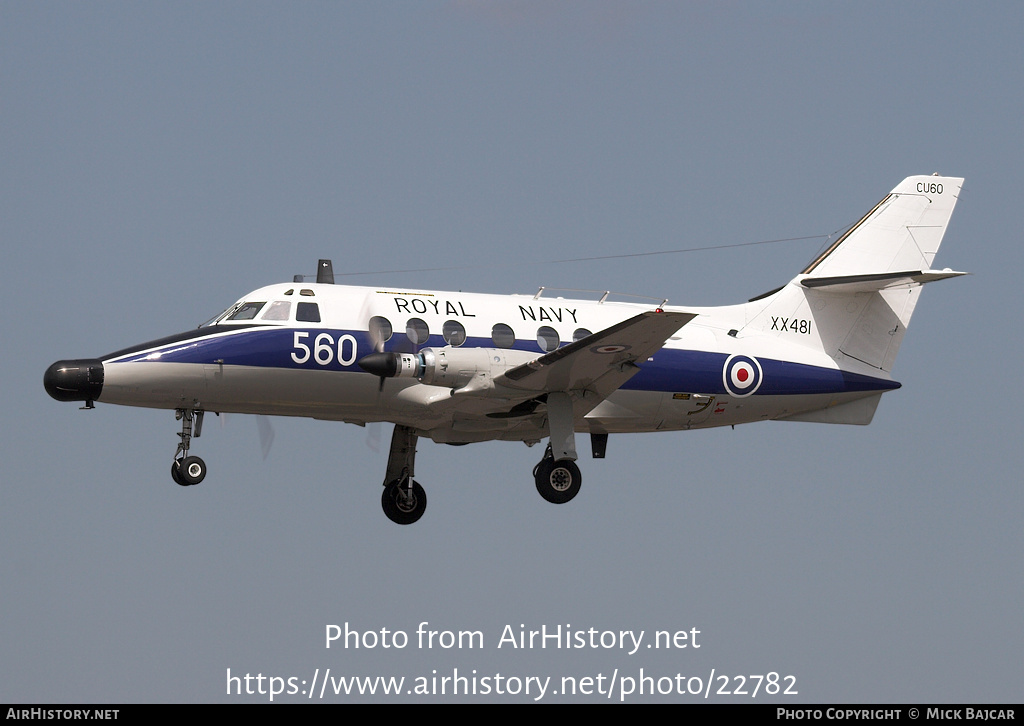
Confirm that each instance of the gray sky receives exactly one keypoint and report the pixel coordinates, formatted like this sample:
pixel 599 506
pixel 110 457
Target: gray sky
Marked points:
pixel 161 159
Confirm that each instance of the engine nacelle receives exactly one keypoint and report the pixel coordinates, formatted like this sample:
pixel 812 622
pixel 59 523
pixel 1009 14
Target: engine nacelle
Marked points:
pixel 453 368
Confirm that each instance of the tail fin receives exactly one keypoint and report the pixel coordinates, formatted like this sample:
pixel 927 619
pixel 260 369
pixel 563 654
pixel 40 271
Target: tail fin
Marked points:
pixel 900 233
pixel 856 299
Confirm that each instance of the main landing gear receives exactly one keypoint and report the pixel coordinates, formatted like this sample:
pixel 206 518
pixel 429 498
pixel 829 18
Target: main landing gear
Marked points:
pixel 403 500
pixel 188 470
pixel 557 477
pixel 557 481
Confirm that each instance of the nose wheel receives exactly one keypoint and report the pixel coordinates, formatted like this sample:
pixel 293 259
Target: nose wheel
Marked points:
pixel 188 471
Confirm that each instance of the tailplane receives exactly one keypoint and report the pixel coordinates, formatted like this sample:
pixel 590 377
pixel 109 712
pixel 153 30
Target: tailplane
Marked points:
pixel 855 300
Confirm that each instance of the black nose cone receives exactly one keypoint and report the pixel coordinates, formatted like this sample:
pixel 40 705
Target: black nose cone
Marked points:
pixel 383 365
pixel 74 380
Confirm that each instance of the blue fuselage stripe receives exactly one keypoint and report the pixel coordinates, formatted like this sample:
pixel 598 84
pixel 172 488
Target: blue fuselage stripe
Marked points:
pixel 670 370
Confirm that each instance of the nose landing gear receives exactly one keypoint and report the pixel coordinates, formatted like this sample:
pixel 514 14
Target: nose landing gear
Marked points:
pixel 188 470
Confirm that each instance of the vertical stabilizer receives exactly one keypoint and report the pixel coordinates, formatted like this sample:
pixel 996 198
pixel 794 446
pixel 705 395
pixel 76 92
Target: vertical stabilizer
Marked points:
pixel 855 300
pixel 900 233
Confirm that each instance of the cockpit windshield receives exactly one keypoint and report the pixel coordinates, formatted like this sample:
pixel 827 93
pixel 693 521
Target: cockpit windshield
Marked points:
pixel 247 311
pixel 241 310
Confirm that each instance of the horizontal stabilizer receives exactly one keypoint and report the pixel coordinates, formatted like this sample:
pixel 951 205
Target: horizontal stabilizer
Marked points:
pixel 876 282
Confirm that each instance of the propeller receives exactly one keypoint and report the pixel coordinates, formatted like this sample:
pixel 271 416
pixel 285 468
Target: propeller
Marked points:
pixel 380 332
pixel 265 429
pixel 373 436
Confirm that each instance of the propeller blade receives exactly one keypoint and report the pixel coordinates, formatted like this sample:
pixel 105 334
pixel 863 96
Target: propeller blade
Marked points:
pixel 373 436
pixel 266 435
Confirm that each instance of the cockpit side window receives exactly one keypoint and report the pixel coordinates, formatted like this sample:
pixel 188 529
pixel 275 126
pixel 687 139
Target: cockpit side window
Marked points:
pixel 307 313
pixel 278 310
pixel 247 311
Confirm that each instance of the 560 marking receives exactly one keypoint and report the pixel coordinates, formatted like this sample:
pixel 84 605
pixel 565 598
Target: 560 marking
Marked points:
pixel 323 350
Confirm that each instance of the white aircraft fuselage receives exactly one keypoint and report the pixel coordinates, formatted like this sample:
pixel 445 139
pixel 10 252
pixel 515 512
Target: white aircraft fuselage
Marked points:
pixel 311 369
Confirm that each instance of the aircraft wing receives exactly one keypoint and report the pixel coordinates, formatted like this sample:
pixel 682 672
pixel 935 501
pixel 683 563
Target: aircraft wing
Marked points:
pixel 599 363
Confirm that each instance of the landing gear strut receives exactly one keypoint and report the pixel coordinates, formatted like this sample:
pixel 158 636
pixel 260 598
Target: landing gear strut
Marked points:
pixel 188 470
pixel 557 481
pixel 403 500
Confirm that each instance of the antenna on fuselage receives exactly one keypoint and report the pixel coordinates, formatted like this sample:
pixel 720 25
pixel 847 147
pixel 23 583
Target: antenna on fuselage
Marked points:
pixel 324 273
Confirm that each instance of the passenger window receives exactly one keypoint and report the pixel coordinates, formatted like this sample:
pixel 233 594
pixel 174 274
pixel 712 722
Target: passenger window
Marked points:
pixel 503 336
pixel 453 332
pixel 307 313
pixel 547 338
pixel 580 334
pixel 417 331
pixel 247 311
pixel 278 310
pixel 380 330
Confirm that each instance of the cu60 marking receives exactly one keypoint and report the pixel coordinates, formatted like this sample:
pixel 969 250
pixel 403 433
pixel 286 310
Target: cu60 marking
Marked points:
pixel 324 349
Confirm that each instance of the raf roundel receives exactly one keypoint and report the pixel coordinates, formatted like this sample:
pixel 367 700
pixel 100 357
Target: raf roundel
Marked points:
pixel 607 349
pixel 742 375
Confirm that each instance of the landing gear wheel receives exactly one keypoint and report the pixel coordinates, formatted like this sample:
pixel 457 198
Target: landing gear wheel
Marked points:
pixel 401 505
pixel 557 481
pixel 191 471
pixel 176 474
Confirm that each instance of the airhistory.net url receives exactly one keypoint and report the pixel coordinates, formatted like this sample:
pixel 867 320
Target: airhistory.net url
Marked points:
pixel 472 684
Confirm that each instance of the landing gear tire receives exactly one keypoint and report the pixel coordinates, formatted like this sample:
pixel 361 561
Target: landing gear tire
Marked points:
pixel 557 481
pixel 402 505
pixel 188 471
